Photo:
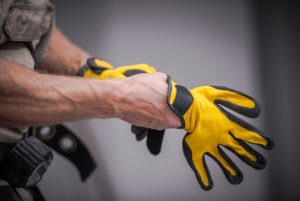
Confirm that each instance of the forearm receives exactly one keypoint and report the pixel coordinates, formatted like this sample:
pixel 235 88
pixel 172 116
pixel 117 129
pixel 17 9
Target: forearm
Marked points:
pixel 62 56
pixel 30 98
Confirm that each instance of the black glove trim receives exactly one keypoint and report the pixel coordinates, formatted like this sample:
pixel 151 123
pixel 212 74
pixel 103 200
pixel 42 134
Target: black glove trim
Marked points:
pixel 189 157
pixel 232 179
pixel 248 112
pixel 183 101
pixel 129 73
pixel 248 126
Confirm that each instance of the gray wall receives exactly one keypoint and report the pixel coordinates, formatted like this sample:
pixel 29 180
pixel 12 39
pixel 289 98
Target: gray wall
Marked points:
pixel 197 43
pixel 279 30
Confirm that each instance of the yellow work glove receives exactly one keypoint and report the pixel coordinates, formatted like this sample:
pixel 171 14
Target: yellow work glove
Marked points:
pixel 94 68
pixel 100 69
pixel 211 128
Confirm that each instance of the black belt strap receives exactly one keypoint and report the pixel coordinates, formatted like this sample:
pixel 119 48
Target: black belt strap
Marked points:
pixel 65 142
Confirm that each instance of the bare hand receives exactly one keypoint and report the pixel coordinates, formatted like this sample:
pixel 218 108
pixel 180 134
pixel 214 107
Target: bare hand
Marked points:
pixel 145 102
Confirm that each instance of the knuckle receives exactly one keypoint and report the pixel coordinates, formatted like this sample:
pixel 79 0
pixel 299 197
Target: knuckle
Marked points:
pixel 161 75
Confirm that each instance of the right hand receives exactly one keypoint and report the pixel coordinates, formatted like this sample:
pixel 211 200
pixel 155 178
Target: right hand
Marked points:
pixel 145 102
pixel 144 98
pixel 95 68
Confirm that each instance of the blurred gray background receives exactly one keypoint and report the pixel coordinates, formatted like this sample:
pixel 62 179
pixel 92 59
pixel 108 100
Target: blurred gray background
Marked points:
pixel 252 46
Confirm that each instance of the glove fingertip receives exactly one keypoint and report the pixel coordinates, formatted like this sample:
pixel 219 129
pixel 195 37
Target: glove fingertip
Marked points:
pixel 270 144
pixel 139 136
pixel 256 110
pixel 154 141
pixel 260 162
pixel 207 188
pixel 154 151
pixel 233 179
pixel 138 130
pixel 237 179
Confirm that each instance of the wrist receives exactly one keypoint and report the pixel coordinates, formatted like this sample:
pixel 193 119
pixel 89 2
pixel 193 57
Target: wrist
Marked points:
pixel 109 99
pixel 120 98
pixel 141 103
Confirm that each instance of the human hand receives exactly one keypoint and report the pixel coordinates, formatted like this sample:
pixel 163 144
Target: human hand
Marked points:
pixel 144 102
pixel 95 68
pixel 211 128
pixel 144 95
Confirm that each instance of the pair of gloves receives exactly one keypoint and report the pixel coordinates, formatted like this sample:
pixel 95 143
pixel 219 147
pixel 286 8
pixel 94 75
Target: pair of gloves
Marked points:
pixel 204 115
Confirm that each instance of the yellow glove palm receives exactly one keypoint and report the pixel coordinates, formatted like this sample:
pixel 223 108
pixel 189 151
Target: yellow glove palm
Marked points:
pixel 209 127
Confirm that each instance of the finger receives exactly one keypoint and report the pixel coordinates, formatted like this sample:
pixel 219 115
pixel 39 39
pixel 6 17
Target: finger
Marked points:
pixel 236 101
pixel 140 132
pixel 246 153
pixel 253 136
pixel 231 171
pixel 154 140
pixel 199 167
pixel 264 141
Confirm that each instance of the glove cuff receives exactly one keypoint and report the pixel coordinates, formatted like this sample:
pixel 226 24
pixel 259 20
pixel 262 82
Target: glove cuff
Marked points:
pixel 179 99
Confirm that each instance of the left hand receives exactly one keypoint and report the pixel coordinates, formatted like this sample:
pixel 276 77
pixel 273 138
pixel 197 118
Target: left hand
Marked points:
pixel 211 128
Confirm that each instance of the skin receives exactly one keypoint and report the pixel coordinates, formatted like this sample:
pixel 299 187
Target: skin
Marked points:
pixel 31 98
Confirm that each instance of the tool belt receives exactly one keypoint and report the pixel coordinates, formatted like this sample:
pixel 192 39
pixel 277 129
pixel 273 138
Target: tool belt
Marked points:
pixel 24 163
